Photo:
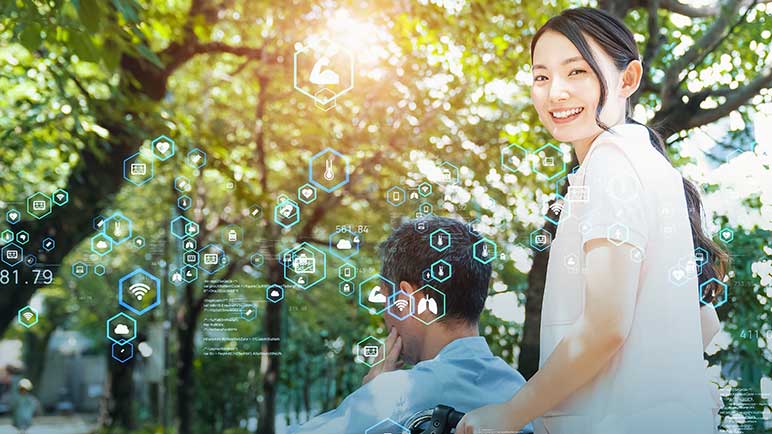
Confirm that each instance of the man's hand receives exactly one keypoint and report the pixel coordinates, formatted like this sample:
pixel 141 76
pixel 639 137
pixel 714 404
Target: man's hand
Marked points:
pixel 495 418
pixel 392 361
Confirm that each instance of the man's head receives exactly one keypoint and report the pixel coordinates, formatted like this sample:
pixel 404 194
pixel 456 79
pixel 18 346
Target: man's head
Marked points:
pixel 408 255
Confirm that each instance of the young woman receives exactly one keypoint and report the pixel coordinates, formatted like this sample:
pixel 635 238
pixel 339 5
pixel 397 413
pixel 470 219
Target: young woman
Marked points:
pixel 621 341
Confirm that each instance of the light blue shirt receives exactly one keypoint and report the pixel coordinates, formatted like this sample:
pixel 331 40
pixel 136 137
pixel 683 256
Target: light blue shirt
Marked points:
pixel 464 375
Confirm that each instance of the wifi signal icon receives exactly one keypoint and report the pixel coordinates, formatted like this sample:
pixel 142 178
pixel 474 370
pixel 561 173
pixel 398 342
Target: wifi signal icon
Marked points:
pixel 401 304
pixel 557 207
pixel 28 315
pixel 139 290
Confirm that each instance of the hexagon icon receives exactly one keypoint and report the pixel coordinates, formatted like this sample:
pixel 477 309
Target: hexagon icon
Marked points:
pixel 118 228
pixel 274 293
pixel 306 193
pixel 540 239
pixel 618 234
pixel 122 352
pixel 248 312
pixel 256 260
pixel 424 209
pixel 12 216
pixel 450 173
pixel 344 243
pixel 387 426
pixel 196 158
pixel 370 351
pixel 329 170
pixel 325 99
pixel 232 234
pixel 48 244
pixel 701 256
pixel 139 291
pixel 441 270
pixel 39 205
pixel 548 161
pixel 484 251
pixel 138 169
pixel 22 237
pixel 6 236
pixel 430 304
pixel 79 269
pixel 726 235
pixel 121 328
pixel 724 293
pixel 440 240
pixel 400 305
pixel 184 202
pixel 425 189
pixel 189 273
pixel 346 288
pixel 99 270
pixel 304 265
pixel 513 157
pixel 27 316
pixel 12 254
pixel 101 244
pixel 373 293
pixel 183 184
pixel 163 147
pixel 395 196
pixel 212 258
pixel 255 211
pixel 179 227
pixel 347 272
pixel 286 213
pixel 60 197
pixel 323 65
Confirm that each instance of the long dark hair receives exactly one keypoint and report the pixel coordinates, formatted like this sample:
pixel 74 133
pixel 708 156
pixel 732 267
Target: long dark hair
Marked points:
pixel 618 42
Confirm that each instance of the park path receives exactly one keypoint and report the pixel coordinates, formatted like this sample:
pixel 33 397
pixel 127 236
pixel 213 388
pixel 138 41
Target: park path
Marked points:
pixel 51 425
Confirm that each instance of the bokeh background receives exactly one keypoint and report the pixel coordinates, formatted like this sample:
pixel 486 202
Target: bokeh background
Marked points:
pixel 86 83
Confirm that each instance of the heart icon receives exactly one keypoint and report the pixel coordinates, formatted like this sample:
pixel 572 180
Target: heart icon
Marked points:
pixel 678 274
pixel 162 147
pixel 13 216
pixel 725 235
pixel 307 192
pixel 195 158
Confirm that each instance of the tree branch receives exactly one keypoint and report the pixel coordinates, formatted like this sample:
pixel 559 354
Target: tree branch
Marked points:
pixel 707 43
pixel 735 98
pixel 698 12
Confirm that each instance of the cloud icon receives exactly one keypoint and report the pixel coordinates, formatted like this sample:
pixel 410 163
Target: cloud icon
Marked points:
pixel 122 329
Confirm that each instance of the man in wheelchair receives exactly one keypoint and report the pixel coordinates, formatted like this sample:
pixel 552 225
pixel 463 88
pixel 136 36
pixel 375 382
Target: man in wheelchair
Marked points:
pixel 434 268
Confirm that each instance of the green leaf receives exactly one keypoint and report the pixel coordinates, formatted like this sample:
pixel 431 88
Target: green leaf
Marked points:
pixel 90 14
pixel 127 8
pixel 30 36
pixel 84 47
pixel 148 54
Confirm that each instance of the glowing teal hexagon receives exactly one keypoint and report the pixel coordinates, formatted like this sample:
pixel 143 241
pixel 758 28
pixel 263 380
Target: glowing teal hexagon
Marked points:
pixel 484 251
pixel 374 293
pixel 163 147
pixel 513 156
pixel 724 293
pixel 329 173
pixel 304 265
pixel 551 163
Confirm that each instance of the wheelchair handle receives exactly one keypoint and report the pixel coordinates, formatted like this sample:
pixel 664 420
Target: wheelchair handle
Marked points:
pixel 443 419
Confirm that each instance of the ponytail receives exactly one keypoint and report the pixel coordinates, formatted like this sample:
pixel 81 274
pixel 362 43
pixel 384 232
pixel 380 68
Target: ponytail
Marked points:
pixel 717 262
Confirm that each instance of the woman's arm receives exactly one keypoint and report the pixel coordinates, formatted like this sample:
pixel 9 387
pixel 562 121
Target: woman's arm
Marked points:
pixel 709 324
pixel 612 279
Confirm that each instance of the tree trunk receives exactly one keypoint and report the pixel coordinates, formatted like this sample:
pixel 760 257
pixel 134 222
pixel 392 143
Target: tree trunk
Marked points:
pixel 118 400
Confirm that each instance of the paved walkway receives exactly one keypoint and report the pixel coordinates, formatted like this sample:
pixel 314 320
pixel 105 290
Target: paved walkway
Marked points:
pixel 51 425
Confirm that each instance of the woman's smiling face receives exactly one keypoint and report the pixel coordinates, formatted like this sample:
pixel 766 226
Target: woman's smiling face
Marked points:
pixel 566 91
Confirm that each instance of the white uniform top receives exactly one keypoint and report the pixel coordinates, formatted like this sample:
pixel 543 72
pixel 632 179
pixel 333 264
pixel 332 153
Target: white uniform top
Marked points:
pixel 656 382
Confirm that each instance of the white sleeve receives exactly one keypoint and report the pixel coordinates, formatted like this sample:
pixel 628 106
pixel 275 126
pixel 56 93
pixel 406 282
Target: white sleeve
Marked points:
pixel 616 206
